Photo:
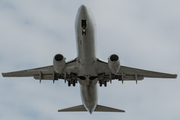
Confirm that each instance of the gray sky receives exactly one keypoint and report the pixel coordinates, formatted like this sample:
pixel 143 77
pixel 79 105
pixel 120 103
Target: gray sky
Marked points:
pixel 145 34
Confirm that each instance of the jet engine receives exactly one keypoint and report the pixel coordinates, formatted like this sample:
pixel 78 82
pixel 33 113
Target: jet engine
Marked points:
pixel 59 63
pixel 114 63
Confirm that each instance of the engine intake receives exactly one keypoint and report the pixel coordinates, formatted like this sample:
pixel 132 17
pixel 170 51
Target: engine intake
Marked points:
pixel 114 63
pixel 114 57
pixel 58 57
pixel 59 63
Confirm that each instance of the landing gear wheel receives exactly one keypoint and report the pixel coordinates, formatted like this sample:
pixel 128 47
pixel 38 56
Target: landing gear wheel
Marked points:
pixel 100 83
pixel 69 83
pixel 74 83
pixel 105 83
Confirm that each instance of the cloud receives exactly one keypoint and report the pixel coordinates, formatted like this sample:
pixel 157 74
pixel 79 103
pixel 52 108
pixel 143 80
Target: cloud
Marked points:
pixel 144 35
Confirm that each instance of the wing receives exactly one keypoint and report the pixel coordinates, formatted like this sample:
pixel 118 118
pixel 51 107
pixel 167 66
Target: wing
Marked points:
pixel 128 73
pixel 144 73
pixel 44 73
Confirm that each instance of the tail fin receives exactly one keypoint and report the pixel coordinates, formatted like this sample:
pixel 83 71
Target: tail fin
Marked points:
pixel 78 108
pixel 100 108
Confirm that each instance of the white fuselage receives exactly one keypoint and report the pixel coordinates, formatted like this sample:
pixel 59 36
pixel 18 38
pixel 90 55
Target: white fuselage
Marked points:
pixel 85 38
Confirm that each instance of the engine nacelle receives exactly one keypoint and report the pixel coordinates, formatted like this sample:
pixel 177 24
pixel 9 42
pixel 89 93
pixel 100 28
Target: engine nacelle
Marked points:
pixel 59 63
pixel 114 63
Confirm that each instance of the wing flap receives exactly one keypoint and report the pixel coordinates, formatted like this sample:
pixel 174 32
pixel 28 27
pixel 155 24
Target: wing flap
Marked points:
pixel 127 77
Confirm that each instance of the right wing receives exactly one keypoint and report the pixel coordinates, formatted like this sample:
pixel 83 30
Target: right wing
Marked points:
pixel 42 73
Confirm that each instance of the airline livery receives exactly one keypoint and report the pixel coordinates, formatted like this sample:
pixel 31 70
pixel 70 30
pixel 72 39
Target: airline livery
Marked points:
pixel 86 69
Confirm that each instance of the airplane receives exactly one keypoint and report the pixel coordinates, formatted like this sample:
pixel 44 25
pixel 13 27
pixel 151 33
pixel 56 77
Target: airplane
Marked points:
pixel 86 68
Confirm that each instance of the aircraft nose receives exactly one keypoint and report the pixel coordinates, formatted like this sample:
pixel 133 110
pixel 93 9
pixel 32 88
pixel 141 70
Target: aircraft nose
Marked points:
pixel 83 7
pixel 83 10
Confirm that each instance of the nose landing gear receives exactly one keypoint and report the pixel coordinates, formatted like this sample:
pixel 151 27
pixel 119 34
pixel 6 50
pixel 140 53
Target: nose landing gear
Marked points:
pixel 83 25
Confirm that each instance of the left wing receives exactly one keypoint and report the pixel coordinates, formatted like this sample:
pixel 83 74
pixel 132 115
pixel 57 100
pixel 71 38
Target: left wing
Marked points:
pixel 44 73
pixel 144 73
pixel 128 73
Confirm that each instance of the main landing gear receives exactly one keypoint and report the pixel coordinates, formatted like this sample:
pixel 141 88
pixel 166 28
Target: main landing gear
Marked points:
pixel 102 82
pixel 72 82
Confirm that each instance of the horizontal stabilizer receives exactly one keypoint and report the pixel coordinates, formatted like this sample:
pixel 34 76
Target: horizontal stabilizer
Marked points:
pixel 78 108
pixel 101 108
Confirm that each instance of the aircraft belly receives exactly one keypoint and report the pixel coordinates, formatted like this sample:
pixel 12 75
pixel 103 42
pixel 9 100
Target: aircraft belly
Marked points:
pixel 86 48
pixel 86 58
